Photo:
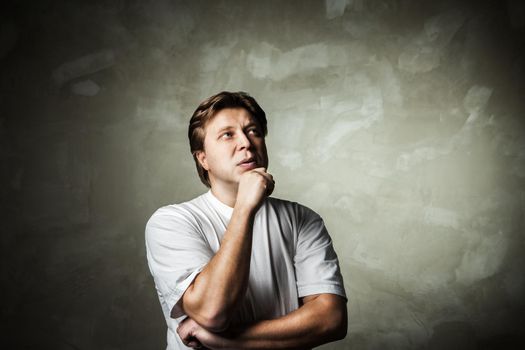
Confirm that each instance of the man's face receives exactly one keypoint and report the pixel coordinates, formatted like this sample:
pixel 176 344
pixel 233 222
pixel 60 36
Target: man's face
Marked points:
pixel 233 144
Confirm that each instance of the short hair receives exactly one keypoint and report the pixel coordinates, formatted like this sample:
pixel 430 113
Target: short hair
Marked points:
pixel 205 112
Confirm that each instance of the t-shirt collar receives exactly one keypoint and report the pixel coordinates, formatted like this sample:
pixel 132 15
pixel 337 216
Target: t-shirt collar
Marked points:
pixel 223 208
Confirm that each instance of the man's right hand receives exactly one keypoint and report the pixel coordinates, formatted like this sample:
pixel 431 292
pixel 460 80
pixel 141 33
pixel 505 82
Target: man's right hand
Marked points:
pixel 254 186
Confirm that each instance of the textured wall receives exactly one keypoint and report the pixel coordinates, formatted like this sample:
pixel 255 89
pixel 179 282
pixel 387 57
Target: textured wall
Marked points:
pixel 401 122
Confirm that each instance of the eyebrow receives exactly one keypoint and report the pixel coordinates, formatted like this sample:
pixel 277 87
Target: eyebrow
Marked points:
pixel 229 127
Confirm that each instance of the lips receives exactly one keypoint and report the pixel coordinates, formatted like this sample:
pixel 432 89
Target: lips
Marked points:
pixel 248 163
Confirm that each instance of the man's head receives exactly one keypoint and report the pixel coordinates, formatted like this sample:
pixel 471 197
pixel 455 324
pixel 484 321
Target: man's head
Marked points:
pixel 244 138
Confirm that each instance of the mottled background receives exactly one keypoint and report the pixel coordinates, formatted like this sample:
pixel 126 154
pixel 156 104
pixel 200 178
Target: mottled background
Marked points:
pixel 401 122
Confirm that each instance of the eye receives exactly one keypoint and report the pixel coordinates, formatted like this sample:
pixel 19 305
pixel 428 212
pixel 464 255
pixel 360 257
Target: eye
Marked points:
pixel 227 135
pixel 254 131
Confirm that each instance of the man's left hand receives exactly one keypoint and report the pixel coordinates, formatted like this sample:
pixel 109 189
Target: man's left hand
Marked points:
pixel 194 336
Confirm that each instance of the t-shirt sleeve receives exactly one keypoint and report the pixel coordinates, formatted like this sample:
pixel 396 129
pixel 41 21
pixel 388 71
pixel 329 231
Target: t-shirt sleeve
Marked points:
pixel 177 251
pixel 316 263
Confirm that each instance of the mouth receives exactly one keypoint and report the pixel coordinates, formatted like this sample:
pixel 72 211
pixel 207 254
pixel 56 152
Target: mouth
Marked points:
pixel 248 163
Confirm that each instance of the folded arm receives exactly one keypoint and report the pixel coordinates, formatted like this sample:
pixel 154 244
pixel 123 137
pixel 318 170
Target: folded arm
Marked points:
pixel 215 292
pixel 321 319
pixel 212 297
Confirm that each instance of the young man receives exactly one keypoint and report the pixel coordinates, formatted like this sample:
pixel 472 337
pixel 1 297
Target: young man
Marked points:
pixel 235 268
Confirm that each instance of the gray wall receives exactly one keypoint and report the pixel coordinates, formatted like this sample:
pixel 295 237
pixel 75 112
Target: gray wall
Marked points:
pixel 400 122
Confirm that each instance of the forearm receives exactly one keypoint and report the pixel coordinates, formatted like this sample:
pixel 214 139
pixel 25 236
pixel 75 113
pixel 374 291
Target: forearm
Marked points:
pixel 319 321
pixel 219 287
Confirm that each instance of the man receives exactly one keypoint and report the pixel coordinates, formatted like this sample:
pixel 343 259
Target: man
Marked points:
pixel 235 268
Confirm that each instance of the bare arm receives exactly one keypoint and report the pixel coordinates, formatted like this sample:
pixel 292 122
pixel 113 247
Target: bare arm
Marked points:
pixel 322 319
pixel 214 293
pixel 220 286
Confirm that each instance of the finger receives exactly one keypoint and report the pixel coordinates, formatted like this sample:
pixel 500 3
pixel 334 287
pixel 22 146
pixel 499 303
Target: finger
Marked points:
pixel 181 327
pixel 186 339
pixel 184 321
pixel 270 180
pixel 184 333
pixel 259 170
pixel 269 188
pixel 194 343
pixel 185 342
pixel 264 173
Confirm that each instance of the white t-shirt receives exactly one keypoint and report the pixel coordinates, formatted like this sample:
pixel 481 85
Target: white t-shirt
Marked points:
pixel 292 257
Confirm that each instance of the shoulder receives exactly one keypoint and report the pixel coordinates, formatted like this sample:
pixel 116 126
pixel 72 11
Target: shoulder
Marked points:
pixel 184 213
pixel 298 210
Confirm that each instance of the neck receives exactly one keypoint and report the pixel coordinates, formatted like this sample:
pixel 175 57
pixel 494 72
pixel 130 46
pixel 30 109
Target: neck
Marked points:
pixel 226 194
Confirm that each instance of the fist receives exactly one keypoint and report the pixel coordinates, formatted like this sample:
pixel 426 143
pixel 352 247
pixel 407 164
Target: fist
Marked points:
pixel 187 331
pixel 195 336
pixel 254 186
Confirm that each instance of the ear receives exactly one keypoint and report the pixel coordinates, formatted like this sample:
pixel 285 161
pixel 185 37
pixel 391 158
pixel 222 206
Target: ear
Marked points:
pixel 201 157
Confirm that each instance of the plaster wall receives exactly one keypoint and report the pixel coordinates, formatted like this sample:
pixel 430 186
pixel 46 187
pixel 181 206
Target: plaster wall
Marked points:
pixel 401 122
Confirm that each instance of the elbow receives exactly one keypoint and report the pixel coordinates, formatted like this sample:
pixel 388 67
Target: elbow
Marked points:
pixel 337 325
pixel 210 316
pixel 339 332
pixel 215 322
pixel 331 317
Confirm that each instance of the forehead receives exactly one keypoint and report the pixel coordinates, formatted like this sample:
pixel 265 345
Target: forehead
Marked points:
pixel 229 117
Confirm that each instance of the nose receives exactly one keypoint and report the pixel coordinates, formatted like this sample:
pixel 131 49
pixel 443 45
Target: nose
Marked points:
pixel 244 141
